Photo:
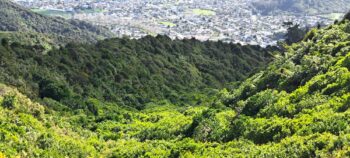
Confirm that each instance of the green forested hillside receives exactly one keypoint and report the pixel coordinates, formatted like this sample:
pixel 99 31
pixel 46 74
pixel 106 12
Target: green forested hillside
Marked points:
pixel 43 41
pixel 14 18
pixel 296 107
pixel 128 72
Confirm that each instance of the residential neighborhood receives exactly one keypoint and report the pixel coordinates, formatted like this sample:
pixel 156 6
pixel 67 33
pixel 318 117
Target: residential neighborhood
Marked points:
pixel 234 21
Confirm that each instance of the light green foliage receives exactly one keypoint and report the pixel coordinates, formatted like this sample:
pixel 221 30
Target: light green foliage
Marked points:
pixel 203 12
pixel 169 24
pixel 302 98
pixel 27 132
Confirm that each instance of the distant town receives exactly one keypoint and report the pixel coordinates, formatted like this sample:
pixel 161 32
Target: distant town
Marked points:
pixel 234 21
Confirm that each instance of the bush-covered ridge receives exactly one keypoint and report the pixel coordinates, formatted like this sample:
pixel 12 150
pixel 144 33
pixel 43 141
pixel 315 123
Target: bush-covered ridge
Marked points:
pixel 129 72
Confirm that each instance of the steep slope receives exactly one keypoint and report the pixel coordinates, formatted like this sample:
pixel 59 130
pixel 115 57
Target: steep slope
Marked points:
pixel 298 106
pixel 27 130
pixel 14 18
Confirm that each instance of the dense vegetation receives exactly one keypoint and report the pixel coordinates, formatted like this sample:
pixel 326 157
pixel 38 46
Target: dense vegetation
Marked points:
pixel 129 72
pixel 14 18
pixel 83 98
pixel 45 42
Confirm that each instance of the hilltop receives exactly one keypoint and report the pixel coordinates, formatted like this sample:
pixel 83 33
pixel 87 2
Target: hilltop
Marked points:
pixel 14 18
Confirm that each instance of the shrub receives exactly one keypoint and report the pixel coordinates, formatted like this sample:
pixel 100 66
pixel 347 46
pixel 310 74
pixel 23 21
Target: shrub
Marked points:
pixel 347 16
pixel 259 101
pixel 45 141
pixel 93 106
pixel 10 101
pixel 54 90
pixel 4 42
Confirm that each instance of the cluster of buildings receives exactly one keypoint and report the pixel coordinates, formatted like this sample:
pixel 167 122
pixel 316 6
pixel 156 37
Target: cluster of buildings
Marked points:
pixel 226 20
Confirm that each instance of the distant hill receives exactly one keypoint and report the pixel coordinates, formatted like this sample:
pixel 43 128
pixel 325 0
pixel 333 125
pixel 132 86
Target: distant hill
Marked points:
pixel 302 6
pixel 14 18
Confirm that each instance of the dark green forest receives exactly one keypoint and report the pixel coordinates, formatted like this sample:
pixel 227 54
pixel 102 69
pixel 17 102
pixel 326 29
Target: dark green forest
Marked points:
pixel 129 72
pixel 157 97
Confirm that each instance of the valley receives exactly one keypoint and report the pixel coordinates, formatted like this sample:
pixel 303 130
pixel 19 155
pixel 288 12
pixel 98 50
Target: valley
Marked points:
pixel 69 88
